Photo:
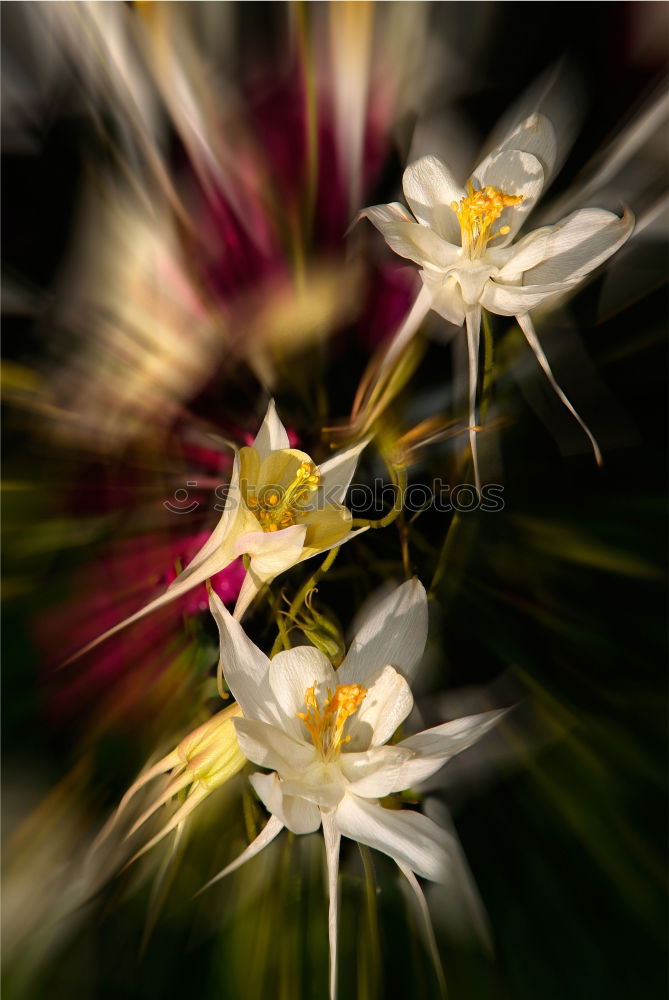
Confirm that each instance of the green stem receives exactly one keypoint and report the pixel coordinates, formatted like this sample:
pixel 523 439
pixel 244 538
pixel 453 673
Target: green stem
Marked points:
pixel 373 950
pixel 301 595
pixel 399 477
pixel 454 526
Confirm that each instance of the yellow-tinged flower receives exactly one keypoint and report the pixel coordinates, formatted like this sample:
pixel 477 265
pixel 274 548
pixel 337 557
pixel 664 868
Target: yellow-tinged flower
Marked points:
pixel 203 761
pixel 281 508
pixel 463 242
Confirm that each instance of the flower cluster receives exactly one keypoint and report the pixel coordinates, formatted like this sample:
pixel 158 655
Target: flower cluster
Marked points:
pixel 320 722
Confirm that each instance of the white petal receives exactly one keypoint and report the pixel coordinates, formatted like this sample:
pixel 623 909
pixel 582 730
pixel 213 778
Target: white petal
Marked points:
pixel 472 280
pixel 429 188
pixel 272 552
pixel 271 747
pixel 526 325
pixel 291 673
pixel 526 253
pixel 393 631
pixel 387 703
pixel 320 783
pixel 512 300
pixel 446 295
pixel 213 557
pixel 298 815
pixel 430 939
pixel 514 173
pixel 271 829
pixel 534 135
pixel 272 435
pixel 309 552
pixel 578 244
pixel 244 666
pixel 337 472
pixel 375 773
pixel 332 840
pixel 453 737
pixel 249 589
pixel 410 239
pixel 407 837
pixel 176 589
pixel 219 535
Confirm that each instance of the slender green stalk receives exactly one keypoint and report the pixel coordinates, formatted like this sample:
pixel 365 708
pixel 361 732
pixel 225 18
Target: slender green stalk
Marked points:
pixel 399 477
pixel 368 977
pixel 301 596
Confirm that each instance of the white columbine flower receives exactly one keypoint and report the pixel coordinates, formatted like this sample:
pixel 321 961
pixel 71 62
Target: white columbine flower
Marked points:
pixel 281 508
pixel 462 240
pixel 323 733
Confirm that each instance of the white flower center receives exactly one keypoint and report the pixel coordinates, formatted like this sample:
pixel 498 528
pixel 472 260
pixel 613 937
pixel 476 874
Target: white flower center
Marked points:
pixel 477 212
pixel 277 508
pixel 326 724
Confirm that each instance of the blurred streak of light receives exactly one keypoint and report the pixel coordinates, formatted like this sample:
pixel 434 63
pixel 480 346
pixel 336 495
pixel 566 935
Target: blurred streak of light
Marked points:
pixel 645 134
pixel 206 111
pixel 147 340
pixel 351 30
pixel 99 40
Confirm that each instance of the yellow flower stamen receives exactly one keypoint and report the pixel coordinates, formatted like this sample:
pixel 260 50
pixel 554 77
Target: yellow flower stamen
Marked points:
pixel 281 508
pixel 476 213
pixel 326 724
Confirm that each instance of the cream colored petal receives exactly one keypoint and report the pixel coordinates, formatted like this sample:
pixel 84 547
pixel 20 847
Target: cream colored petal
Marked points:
pixel 430 189
pixel 292 672
pixel 514 173
pixel 428 930
pixel 407 837
pixel 526 253
pixel 273 827
pixel 374 773
pixel 578 244
pixel 410 239
pixel 214 556
pixel 472 280
pixel 320 783
pixel 332 839
pixel 393 630
pixel 272 746
pixel 228 523
pixel 514 300
pixel 534 135
pixel 386 705
pixel 272 552
pixel 337 472
pixel 451 738
pixel 279 469
pixel 244 666
pixel 526 325
pixel 272 435
pixel 325 528
pixel 296 814
pixel 446 296
pixel 249 470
